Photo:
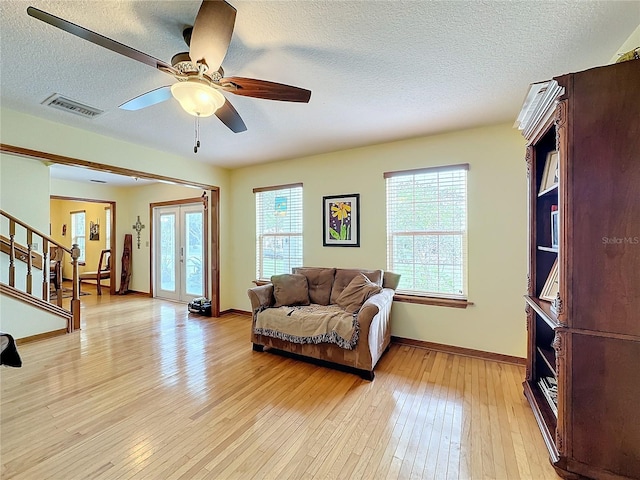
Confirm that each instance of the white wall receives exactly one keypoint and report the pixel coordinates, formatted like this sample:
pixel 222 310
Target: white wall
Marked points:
pixel 24 193
pixel 497 228
pixel 22 320
pixel 23 185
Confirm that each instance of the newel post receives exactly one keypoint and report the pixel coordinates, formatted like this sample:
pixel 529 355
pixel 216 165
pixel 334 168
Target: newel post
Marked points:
pixel 75 300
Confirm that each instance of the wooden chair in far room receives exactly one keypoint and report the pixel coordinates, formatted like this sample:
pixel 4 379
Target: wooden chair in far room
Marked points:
pixel 55 267
pixel 103 271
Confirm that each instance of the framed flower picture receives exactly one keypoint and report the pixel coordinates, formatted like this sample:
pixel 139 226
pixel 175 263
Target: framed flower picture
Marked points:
pixel 341 220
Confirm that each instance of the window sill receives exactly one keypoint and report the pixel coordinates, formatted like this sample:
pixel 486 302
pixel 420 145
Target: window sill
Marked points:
pixel 260 283
pixel 439 302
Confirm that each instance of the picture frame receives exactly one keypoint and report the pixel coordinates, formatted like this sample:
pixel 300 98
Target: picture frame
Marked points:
pixel 550 289
pixel 341 220
pixel 94 231
pixel 550 172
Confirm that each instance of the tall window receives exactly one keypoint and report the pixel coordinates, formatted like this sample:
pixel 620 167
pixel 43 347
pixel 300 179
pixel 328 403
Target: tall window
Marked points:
pixel 78 232
pixel 278 229
pixel 427 230
pixel 107 227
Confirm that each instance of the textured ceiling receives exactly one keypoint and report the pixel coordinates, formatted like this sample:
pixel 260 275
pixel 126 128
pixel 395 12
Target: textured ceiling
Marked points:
pixel 378 70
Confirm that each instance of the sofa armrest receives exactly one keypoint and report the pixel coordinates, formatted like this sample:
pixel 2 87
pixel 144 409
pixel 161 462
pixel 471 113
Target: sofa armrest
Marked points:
pixel 374 322
pixel 261 296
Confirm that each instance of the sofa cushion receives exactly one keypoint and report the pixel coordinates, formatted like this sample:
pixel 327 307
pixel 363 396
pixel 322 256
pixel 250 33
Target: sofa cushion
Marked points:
pixel 345 275
pixel 356 293
pixel 391 280
pixel 290 289
pixel 320 281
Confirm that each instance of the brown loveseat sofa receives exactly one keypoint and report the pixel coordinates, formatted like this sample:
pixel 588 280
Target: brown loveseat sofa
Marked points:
pixel 330 314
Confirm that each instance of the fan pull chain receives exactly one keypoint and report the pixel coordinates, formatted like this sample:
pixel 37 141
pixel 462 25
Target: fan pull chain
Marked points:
pixel 197 128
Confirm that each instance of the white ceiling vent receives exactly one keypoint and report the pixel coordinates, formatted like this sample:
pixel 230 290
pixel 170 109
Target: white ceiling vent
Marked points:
pixel 62 103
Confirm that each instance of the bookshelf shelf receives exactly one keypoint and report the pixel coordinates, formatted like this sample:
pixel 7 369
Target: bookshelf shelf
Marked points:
pixel 543 309
pixel 550 190
pixel 549 357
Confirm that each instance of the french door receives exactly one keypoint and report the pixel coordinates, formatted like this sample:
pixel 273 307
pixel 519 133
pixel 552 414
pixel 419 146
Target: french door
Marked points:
pixel 179 242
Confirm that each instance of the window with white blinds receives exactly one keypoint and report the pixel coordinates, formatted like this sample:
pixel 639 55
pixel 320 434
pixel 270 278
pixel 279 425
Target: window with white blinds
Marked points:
pixel 278 230
pixel 427 230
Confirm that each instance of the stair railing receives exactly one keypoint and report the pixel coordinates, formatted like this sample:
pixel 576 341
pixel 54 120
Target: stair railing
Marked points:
pixel 28 255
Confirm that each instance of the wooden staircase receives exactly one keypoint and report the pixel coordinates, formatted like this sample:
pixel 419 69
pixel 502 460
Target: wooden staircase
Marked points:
pixel 40 262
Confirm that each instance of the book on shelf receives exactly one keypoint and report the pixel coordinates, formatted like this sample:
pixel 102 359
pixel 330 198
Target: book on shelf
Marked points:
pixel 549 388
pixel 555 227
pixel 550 172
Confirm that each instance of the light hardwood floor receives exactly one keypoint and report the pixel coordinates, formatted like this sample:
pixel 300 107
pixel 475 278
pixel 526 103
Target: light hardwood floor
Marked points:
pixel 146 390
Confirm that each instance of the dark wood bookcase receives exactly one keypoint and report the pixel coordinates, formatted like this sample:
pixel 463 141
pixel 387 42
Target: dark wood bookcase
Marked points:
pixel 585 338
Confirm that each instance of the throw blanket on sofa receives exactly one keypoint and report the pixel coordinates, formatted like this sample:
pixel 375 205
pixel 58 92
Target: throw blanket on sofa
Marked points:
pixel 309 324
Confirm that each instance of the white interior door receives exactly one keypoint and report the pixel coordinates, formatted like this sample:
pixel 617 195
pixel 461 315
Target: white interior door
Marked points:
pixel 179 252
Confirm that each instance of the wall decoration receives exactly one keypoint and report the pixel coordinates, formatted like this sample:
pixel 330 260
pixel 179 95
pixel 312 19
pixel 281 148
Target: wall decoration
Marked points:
pixel 341 220
pixel 94 231
pixel 64 229
pixel 138 226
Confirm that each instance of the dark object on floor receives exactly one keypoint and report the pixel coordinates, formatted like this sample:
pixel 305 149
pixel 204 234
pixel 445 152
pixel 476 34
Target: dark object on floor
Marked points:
pixel 125 275
pixel 9 355
pixel 200 305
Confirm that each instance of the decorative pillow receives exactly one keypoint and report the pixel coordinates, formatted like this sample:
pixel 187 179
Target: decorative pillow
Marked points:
pixel 356 293
pixel 290 289
pixel 345 275
pixel 391 280
pixel 320 281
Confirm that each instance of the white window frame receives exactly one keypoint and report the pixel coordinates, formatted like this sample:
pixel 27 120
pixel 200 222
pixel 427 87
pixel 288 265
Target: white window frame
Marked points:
pixel 290 233
pixel 79 232
pixel 452 270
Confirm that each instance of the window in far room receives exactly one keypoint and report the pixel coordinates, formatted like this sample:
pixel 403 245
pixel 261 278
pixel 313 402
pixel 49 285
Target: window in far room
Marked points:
pixel 427 231
pixel 107 227
pixel 278 229
pixel 78 232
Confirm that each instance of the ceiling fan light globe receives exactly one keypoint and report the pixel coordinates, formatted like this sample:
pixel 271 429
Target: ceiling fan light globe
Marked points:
pixel 197 99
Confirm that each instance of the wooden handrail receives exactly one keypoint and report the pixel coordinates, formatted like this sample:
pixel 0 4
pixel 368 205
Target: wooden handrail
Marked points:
pixel 26 254
pixel 22 251
pixel 40 234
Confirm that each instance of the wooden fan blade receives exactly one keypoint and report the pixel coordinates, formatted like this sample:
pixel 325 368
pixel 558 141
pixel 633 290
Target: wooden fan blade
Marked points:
pixel 147 99
pixel 101 40
pixel 230 117
pixel 251 87
pixel 211 33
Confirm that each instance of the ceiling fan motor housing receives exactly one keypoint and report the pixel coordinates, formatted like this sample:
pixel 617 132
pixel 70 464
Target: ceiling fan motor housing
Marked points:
pixel 183 64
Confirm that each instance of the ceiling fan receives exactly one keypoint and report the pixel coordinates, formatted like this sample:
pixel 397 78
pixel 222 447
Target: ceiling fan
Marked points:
pixel 199 72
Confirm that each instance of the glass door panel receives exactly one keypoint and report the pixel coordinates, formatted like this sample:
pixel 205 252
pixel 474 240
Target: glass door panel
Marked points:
pixel 179 252
pixel 194 253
